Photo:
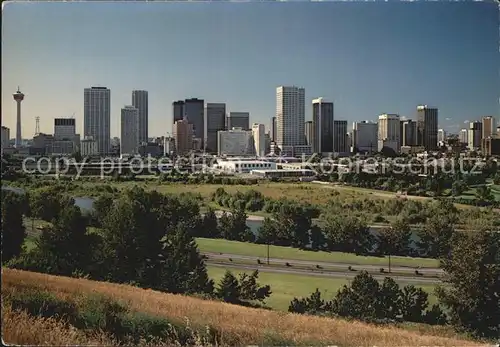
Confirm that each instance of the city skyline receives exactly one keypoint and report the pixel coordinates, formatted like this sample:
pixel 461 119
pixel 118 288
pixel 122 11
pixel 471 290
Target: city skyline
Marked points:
pixel 385 60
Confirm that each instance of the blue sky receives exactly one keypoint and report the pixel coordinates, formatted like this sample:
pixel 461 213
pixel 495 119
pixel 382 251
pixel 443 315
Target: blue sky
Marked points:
pixel 369 58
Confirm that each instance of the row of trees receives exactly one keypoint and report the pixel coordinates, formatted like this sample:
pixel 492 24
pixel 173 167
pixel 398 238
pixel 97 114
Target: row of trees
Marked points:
pixel 367 299
pixel 142 238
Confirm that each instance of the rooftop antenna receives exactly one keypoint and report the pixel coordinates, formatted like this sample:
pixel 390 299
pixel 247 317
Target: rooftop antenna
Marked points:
pixel 37 126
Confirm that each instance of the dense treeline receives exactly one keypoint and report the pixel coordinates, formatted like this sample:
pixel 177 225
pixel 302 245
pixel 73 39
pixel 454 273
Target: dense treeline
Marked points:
pixel 141 238
pixel 469 299
pixel 367 299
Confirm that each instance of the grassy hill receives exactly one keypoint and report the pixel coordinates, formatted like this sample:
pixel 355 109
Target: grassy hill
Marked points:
pixel 226 324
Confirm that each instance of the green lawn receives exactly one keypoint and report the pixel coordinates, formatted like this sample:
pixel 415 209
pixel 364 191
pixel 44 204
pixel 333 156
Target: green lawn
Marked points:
pixel 249 249
pixel 285 287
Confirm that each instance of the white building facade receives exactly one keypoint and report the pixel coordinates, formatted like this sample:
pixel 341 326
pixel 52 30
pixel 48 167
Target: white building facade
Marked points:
pixel 290 119
pixel 259 139
pixel 97 117
pixel 129 130
pixel 235 142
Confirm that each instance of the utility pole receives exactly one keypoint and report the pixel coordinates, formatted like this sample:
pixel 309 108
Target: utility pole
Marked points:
pixel 268 252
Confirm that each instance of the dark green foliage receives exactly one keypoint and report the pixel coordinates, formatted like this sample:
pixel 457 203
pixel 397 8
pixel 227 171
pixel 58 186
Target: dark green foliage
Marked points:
pixel 46 203
pixel 243 291
pixel 311 305
pixel 209 226
pixel 347 234
pixel 13 231
pixel 233 226
pixel 395 240
pixel 413 303
pixel 472 272
pixel 228 289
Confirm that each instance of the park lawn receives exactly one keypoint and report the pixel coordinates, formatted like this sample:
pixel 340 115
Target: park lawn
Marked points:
pixel 285 287
pixel 250 249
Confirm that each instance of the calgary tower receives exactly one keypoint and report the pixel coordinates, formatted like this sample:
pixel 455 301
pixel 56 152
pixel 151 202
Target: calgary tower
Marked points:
pixel 19 97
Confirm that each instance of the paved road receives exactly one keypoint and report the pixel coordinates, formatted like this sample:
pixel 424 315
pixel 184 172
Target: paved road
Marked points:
pixel 343 266
pixel 345 275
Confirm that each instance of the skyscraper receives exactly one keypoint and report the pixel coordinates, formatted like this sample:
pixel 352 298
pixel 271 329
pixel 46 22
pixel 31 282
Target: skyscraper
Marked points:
pixel 290 118
pixel 273 129
pixel 323 135
pixel 183 136
pixel 389 131
pixel 365 136
pixel 308 128
pixel 194 111
pixel 215 114
pixel 427 127
pixel 129 130
pixel 178 110
pixel 18 97
pixel 475 133
pixel 238 120
pixel 64 129
pixel 140 102
pixel 488 127
pixel 340 144
pixel 97 117
pixel 409 133
pixel 259 138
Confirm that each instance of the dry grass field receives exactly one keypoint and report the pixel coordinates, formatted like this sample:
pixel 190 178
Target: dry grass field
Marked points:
pixel 237 325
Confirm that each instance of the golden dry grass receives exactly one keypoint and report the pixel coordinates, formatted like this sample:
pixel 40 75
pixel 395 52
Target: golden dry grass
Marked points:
pixel 20 328
pixel 237 325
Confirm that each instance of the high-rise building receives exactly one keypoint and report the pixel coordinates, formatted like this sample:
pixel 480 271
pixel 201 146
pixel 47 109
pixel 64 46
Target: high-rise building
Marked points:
pixel 490 145
pixel 5 137
pixel 215 114
pixel 18 97
pixel 409 133
pixel 273 129
pixel 129 130
pixel 194 111
pixel 323 135
pixel 97 117
pixel 463 137
pixel 488 127
pixel 340 144
pixel 389 131
pixel 308 128
pixel 183 136
pixel 178 110
pixel 441 135
pixel 259 139
pixel 64 129
pixel 236 142
pixel 427 127
pixel 65 138
pixel 290 118
pixel 365 136
pixel 140 102
pixel 475 135
pixel 88 147
pixel 238 120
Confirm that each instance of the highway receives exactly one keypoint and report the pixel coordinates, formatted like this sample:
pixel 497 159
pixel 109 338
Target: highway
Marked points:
pixel 346 275
pixel 339 266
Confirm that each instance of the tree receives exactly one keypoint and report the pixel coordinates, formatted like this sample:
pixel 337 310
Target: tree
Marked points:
pixel 311 305
pixel 395 240
pixel 436 235
pixel 13 231
pixel 472 275
pixel 250 289
pixel 229 288
pixel 413 303
pixel 347 234
pixel 389 299
pixel 47 202
pixel 358 300
pixel 63 248
pixel 483 193
pixel 458 187
pixel 209 226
